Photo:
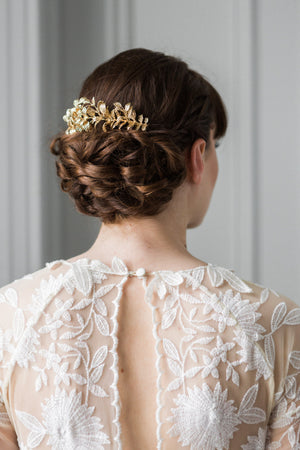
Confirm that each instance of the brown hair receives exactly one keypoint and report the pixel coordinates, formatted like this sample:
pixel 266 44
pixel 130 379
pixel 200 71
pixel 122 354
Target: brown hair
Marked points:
pixel 122 173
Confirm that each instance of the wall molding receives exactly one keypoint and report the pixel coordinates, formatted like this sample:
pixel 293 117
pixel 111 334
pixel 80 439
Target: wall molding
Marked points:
pixel 118 26
pixel 243 101
pixel 5 222
pixel 21 186
pixel 52 70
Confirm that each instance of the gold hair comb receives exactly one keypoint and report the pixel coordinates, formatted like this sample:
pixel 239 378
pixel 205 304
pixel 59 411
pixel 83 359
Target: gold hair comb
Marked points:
pixel 86 113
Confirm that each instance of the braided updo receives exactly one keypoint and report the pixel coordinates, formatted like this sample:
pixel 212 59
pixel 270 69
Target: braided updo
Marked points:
pixel 123 173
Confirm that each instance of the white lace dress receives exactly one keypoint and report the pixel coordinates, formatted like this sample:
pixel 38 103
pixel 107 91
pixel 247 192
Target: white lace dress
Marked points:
pixel 228 359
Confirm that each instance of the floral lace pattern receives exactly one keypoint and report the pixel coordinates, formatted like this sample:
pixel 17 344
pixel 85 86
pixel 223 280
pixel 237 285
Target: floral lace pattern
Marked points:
pixel 213 416
pixel 66 422
pixel 229 351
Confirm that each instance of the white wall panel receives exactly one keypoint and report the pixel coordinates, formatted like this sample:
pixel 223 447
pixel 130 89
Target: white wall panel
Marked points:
pixel 278 144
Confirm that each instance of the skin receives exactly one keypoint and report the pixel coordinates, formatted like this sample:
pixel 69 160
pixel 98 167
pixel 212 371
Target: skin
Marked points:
pixel 161 240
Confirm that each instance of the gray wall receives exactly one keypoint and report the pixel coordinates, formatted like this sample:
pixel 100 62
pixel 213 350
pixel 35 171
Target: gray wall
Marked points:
pixel 250 50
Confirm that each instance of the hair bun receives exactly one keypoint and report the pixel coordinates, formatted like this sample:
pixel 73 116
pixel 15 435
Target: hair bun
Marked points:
pixel 123 173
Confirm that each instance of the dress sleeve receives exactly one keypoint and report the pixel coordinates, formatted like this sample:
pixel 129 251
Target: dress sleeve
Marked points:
pixel 284 422
pixel 10 316
pixel 8 439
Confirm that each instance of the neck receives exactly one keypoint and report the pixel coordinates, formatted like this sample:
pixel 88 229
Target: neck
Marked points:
pixel 153 238
pixel 145 233
pixel 158 242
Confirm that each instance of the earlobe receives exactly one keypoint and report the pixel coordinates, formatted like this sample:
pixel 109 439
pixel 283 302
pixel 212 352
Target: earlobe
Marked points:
pixel 196 165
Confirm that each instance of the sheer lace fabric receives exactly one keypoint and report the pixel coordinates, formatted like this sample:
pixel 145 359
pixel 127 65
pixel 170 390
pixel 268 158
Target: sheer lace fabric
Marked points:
pixel 227 359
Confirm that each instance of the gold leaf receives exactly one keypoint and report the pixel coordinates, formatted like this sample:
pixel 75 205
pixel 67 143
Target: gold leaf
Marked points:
pixel 102 108
pixel 86 112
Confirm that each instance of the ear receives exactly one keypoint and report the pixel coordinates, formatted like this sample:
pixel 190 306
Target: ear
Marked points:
pixel 196 161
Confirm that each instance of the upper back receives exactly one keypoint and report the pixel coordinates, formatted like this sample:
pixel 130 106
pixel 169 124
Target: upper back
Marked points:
pixel 117 359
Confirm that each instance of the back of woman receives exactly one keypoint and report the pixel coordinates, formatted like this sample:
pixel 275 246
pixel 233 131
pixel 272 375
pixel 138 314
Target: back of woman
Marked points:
pixel 136 344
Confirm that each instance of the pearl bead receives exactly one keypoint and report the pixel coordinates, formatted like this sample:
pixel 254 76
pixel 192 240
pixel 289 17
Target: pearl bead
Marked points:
pixel 140 272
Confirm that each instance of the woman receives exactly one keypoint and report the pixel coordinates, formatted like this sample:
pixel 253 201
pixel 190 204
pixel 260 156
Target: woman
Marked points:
pixel 137 344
